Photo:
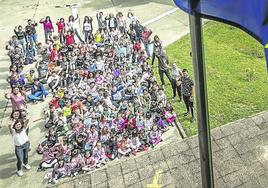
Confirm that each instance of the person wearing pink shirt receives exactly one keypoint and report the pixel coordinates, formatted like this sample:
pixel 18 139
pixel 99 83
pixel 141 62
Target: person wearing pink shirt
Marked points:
pixel 99 155
pixel 89 162
pixel 48 27
pixel 48 157
pixel 61 29
pixel 17 99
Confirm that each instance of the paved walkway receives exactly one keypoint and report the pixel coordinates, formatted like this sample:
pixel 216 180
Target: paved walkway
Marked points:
pixel 240 158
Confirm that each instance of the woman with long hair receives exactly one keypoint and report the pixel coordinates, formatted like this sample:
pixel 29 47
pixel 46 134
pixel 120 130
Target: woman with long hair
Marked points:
pixel 22 144
pixel 17 98
pixel 73 26
pixel 87 28
pixel 48 27
pixel 61 29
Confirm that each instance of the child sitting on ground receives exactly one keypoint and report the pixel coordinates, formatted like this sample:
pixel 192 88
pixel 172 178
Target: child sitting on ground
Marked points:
pixel 89 162
pixel 99 155
pixel 155 136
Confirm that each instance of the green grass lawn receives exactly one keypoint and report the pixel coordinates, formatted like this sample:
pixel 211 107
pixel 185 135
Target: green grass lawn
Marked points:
pixel 229 54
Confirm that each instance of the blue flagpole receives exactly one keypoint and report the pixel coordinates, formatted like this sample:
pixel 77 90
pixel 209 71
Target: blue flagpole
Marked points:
pixel 201 100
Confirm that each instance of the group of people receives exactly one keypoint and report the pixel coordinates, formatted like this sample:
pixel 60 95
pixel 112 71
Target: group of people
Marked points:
pixel 105 101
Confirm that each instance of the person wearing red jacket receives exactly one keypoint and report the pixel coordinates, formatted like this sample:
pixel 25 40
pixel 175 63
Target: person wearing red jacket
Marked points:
pixel 61 29
pixel 69 38
pixel 55 54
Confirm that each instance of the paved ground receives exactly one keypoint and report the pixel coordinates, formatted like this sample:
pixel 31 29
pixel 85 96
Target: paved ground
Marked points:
pixel 16 12
pixel 240 157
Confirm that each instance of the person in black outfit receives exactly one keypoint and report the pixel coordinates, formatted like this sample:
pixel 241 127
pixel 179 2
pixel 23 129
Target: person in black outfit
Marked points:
pixel 21 37
pixel 162 60
pixel 187 86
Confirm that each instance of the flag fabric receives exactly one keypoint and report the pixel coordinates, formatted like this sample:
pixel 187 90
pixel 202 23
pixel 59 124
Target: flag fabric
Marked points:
pixel 249 15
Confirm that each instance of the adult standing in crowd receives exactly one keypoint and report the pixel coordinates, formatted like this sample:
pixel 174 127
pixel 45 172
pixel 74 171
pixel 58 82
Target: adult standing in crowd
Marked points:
pixel 17 98
pixel 22 145
pixel 146 39
pixel 21 37
pixel 112 22
pixel 73 26
pixel 162 60
pixel 30 30
pixel 122 24
pixel 88 28
pixel 101 21
pixel 61 29
pixel 187 87
pixel 176 75
pixel 48 27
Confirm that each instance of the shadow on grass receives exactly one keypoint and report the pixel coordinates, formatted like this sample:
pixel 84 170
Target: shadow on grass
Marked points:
pixel 102 4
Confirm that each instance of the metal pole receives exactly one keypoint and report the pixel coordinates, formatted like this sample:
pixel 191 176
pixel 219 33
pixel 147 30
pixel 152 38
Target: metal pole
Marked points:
pixel 201 102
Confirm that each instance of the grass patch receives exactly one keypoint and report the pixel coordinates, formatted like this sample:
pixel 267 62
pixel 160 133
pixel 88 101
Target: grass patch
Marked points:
pixel 236 74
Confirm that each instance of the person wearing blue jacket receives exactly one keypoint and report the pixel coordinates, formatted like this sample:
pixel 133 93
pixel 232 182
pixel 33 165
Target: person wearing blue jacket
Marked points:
pixel 38 91
pixel 116 95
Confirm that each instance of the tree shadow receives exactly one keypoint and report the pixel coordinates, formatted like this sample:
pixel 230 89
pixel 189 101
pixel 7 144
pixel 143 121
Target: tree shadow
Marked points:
pixel 4 69
pixel 102 4
pixel 7 158
pixel 3 103
pixel 35 163
pixel 7 172
pixel 3 77
pixel 4 131
pixel 40 125
pixel 4 86
pixel 4 115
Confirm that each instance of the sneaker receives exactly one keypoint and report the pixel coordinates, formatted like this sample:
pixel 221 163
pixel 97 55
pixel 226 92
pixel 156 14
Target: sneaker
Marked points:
pixel 186 114
pixel 27 167
pixel 192 119
pixel 54 181
pixel 19 173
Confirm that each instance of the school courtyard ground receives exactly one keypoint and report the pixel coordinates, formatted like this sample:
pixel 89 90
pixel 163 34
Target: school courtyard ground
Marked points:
pixel 240 149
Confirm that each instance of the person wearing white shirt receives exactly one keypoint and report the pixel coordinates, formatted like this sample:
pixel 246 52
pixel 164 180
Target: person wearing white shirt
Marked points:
pixel 112 22
pixel 176 75
pixel 87 28
pixel 53 81
pixel 22 145
pixel 132 18
pixel 74 26
pixel 122 24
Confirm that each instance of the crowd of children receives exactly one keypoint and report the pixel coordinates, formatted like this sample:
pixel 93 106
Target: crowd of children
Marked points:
pixel 105 104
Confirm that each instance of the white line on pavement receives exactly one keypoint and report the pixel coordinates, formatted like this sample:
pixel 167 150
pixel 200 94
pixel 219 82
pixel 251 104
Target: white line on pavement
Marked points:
pixel 160 16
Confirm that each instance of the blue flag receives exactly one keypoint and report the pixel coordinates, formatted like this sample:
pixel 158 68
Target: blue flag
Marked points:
pixel 249 15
